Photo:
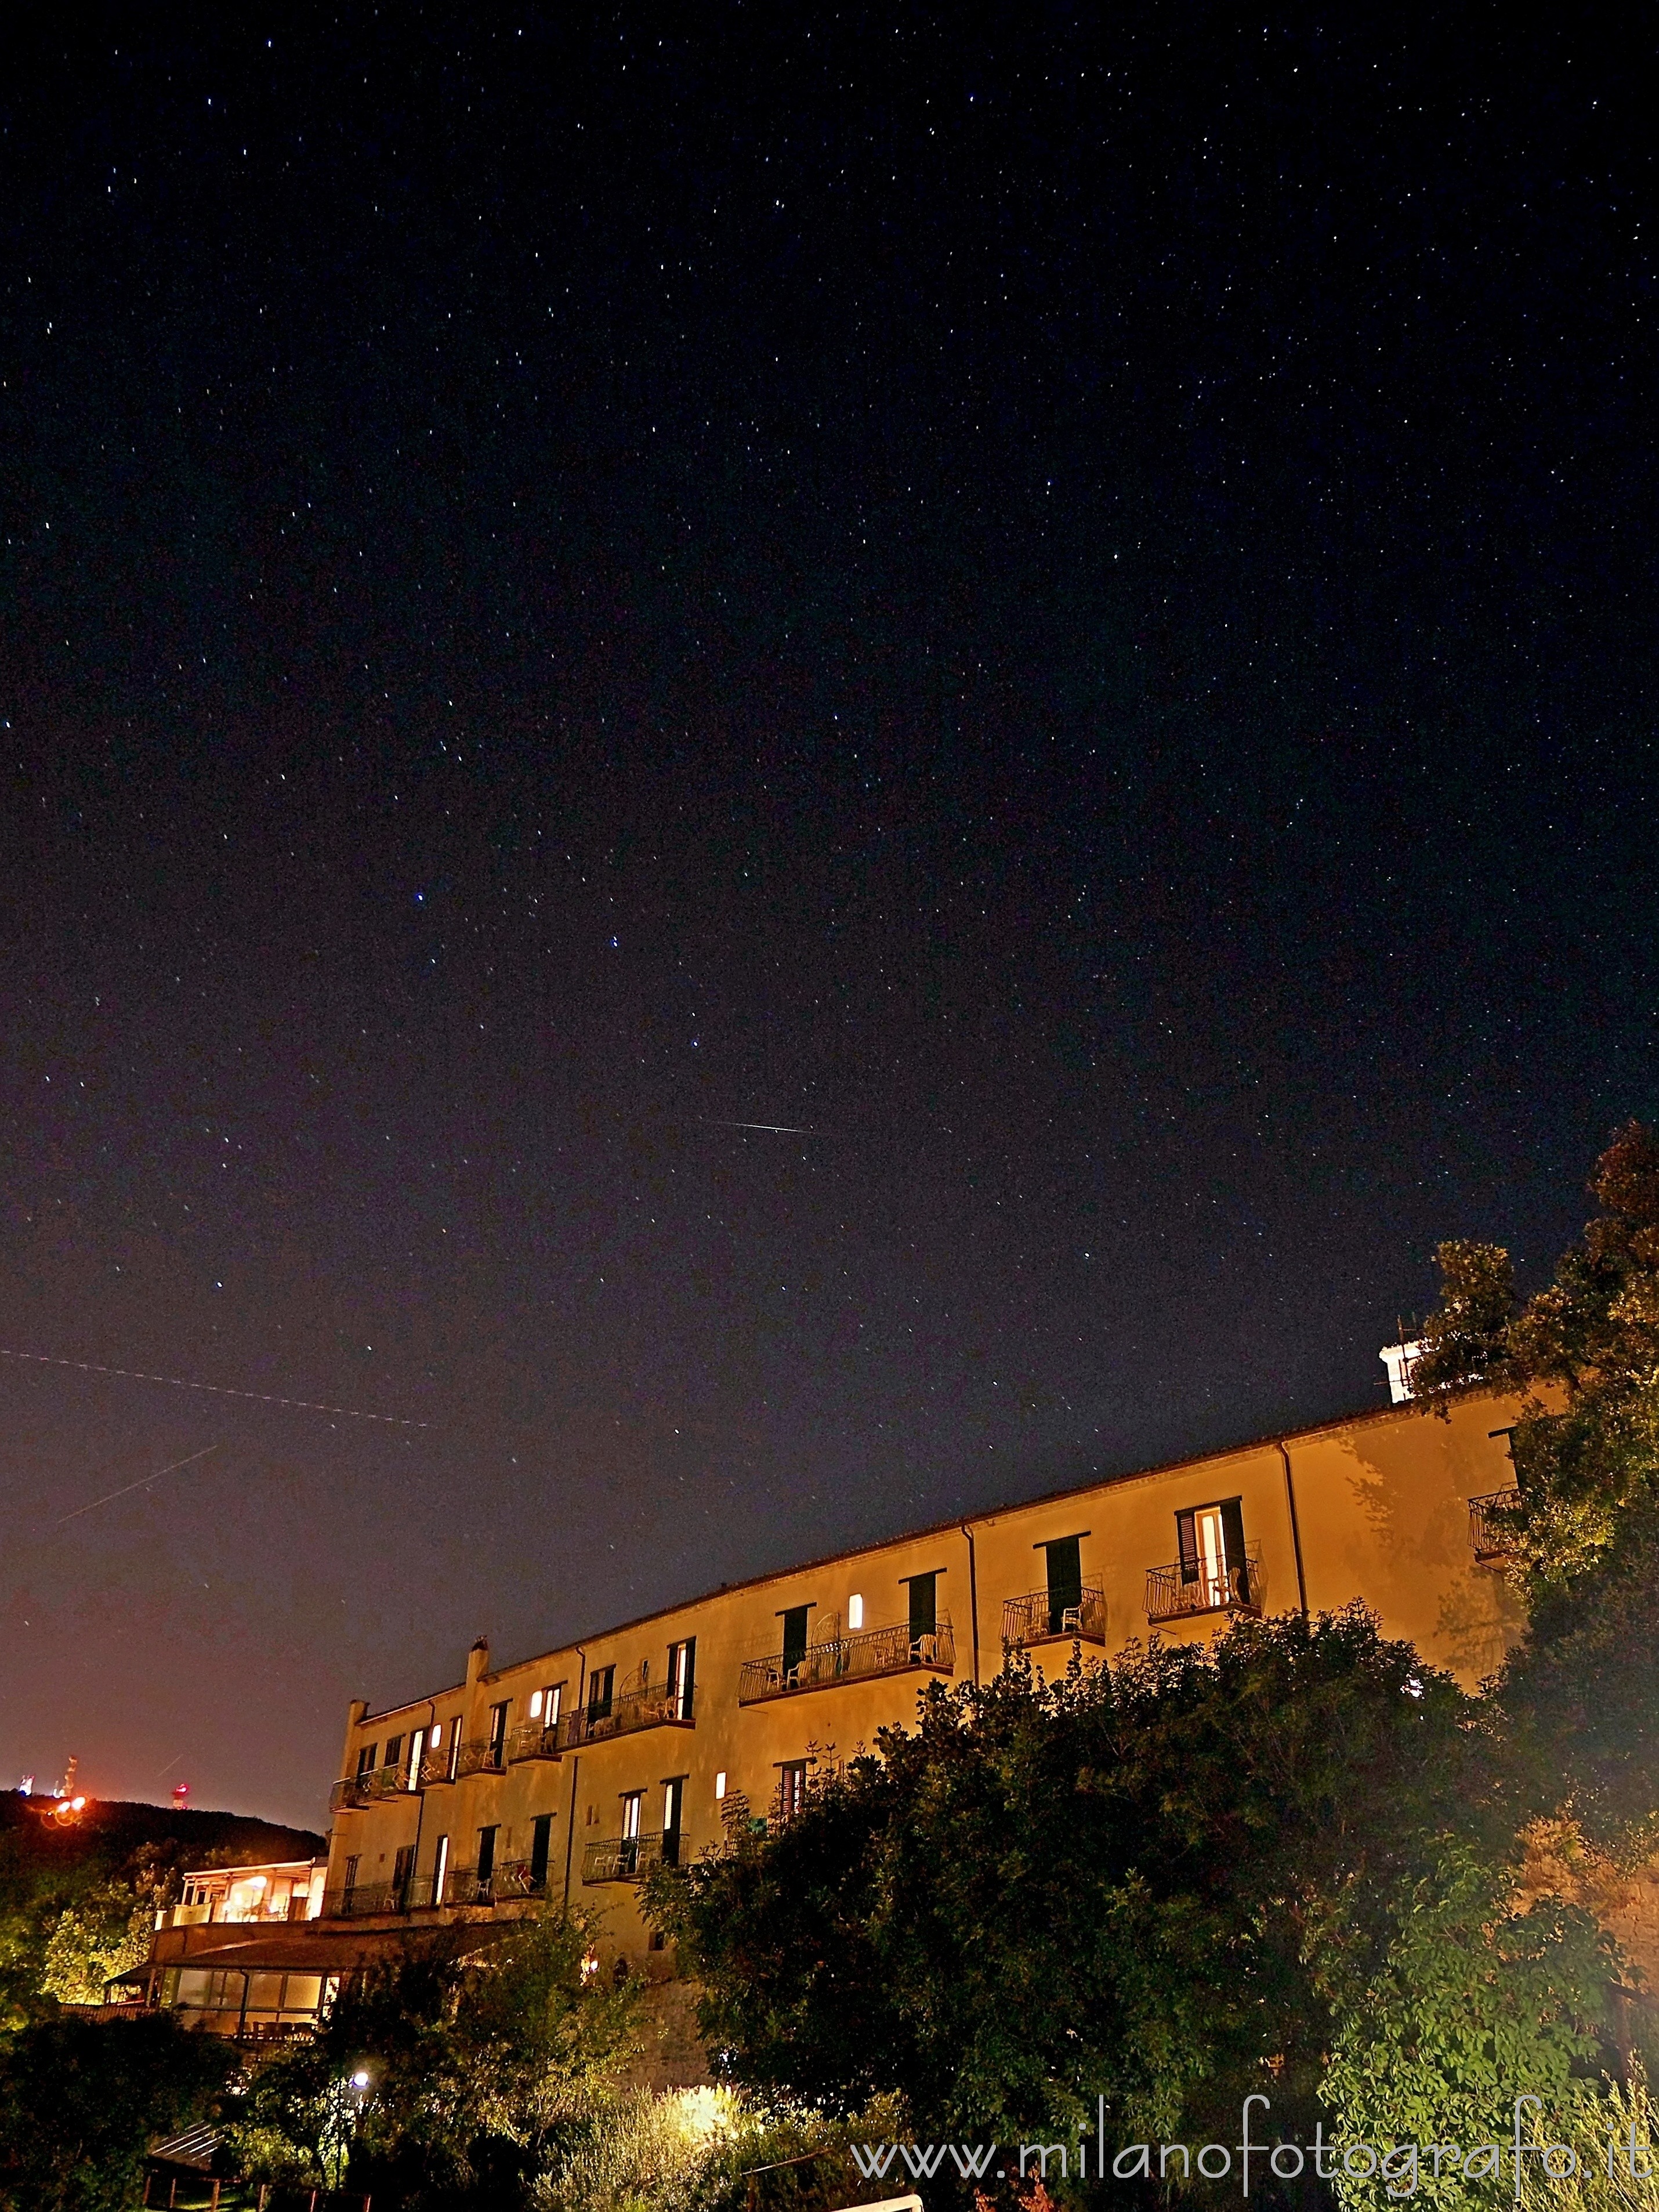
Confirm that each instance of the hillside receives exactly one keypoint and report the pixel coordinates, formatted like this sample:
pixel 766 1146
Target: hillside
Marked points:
pixel 43 1868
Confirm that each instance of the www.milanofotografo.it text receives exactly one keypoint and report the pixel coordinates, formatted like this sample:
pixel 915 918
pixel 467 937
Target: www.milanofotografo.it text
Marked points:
pixel 1400 2165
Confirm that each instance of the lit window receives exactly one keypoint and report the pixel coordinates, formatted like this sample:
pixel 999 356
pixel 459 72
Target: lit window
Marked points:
pixel 437 1734
pixel 855 1611
pixel 720 1785
pixel 535 1705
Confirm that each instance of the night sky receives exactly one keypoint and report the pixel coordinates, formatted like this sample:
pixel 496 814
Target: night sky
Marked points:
pixel 1066 612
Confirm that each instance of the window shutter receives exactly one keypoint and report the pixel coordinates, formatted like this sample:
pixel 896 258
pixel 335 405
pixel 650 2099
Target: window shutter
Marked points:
pixel 1232 1535
pixel 1186 1538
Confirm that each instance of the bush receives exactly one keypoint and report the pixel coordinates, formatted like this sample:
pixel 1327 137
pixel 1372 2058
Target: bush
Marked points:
pixel 82 2100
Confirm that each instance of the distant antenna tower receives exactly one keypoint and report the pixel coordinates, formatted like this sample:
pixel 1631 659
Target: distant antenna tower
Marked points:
pixel 180 1795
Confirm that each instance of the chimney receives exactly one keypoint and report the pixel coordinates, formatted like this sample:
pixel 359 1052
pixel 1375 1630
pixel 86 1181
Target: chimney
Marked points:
pixel 1400 1359
pixel 477 1661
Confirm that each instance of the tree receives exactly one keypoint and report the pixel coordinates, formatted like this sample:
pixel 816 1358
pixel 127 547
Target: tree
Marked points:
pixel 1476 2004
pixel 444 2074
pixel 80 2101
pixel 106 1934
pixel 1584 1353
pixel 1168 1881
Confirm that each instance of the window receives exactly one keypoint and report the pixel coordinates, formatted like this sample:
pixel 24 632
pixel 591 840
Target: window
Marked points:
pixel 487 1856
pixel 541 1833
pixel 402 1867
pixel 855 1611
pixel 720 1786
pixel 365 1760
pixel 437 1735
pixel 924 1607
pixel 351 1874
pixel 673 1804
pixel 632 1801
pixel 544 1705
pixel 394 1746
pixel 1213 1568
pixel 1065 1576
pixel 498 1732
pixel 454 1750
pixel 682 1677
pixel 792 1789
pixel 601 1687
pixel 416 1752
pixel 794 1636
pixel 440 1869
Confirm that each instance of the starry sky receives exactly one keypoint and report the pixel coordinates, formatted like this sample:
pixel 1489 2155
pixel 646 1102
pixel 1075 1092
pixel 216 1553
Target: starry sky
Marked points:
pixel 1063 613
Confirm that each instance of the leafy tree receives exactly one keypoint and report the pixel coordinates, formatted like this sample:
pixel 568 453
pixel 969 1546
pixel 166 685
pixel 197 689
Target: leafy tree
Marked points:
pixel 80 2101
pixel 1584 1353
pixel 106 1934
pixel 476 2068
pixel 1168 1881
pixel 1476 2004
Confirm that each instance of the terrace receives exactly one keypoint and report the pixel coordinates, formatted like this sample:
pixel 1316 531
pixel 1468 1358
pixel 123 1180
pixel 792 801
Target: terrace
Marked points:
pixel 858 1658
pixel 1187 1587
pixel 1053 1616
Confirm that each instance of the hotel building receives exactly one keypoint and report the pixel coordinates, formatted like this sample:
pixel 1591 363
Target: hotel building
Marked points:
pixel 563 1777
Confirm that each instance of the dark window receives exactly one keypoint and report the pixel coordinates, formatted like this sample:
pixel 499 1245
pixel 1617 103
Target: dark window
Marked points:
pixel 487 1854
pixel 673 1801
pixel 794 1636
pixel 924 1605
pixel 497 1733
pixel 1064 1580
pixel 394 1745
pixel 540 1835
pixel 350 1875
pixel 601 1684
pixel 402 1866
pixel 365 1760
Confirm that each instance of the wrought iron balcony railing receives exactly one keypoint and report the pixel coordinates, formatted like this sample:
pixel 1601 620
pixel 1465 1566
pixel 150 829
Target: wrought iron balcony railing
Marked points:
pixel 1491 1536
pixel 1041 1617
pixel 506 1882
pixel 359 1789
pixel 856 1658
pixel 658 1706
pixel 367 1897
pixel 626 1858
pixel 533 1740
pixel 482 1755
pixel 1177 1592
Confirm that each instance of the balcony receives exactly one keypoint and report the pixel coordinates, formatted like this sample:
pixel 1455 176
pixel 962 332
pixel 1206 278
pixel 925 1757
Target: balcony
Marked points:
pixel 532 1741
pixel 861 1658
pixel 1490 1538
pixel 381 1782
pixel 1181 1591
pixel 482 1756
pixel 507 1883
pixel 627 1858
pixel 660 1706
pixel 1042 1619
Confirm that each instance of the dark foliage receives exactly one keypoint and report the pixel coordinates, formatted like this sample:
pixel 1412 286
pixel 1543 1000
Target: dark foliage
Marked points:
pixel 1583 1352
pixel 82 2100
pixel 1151 1881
